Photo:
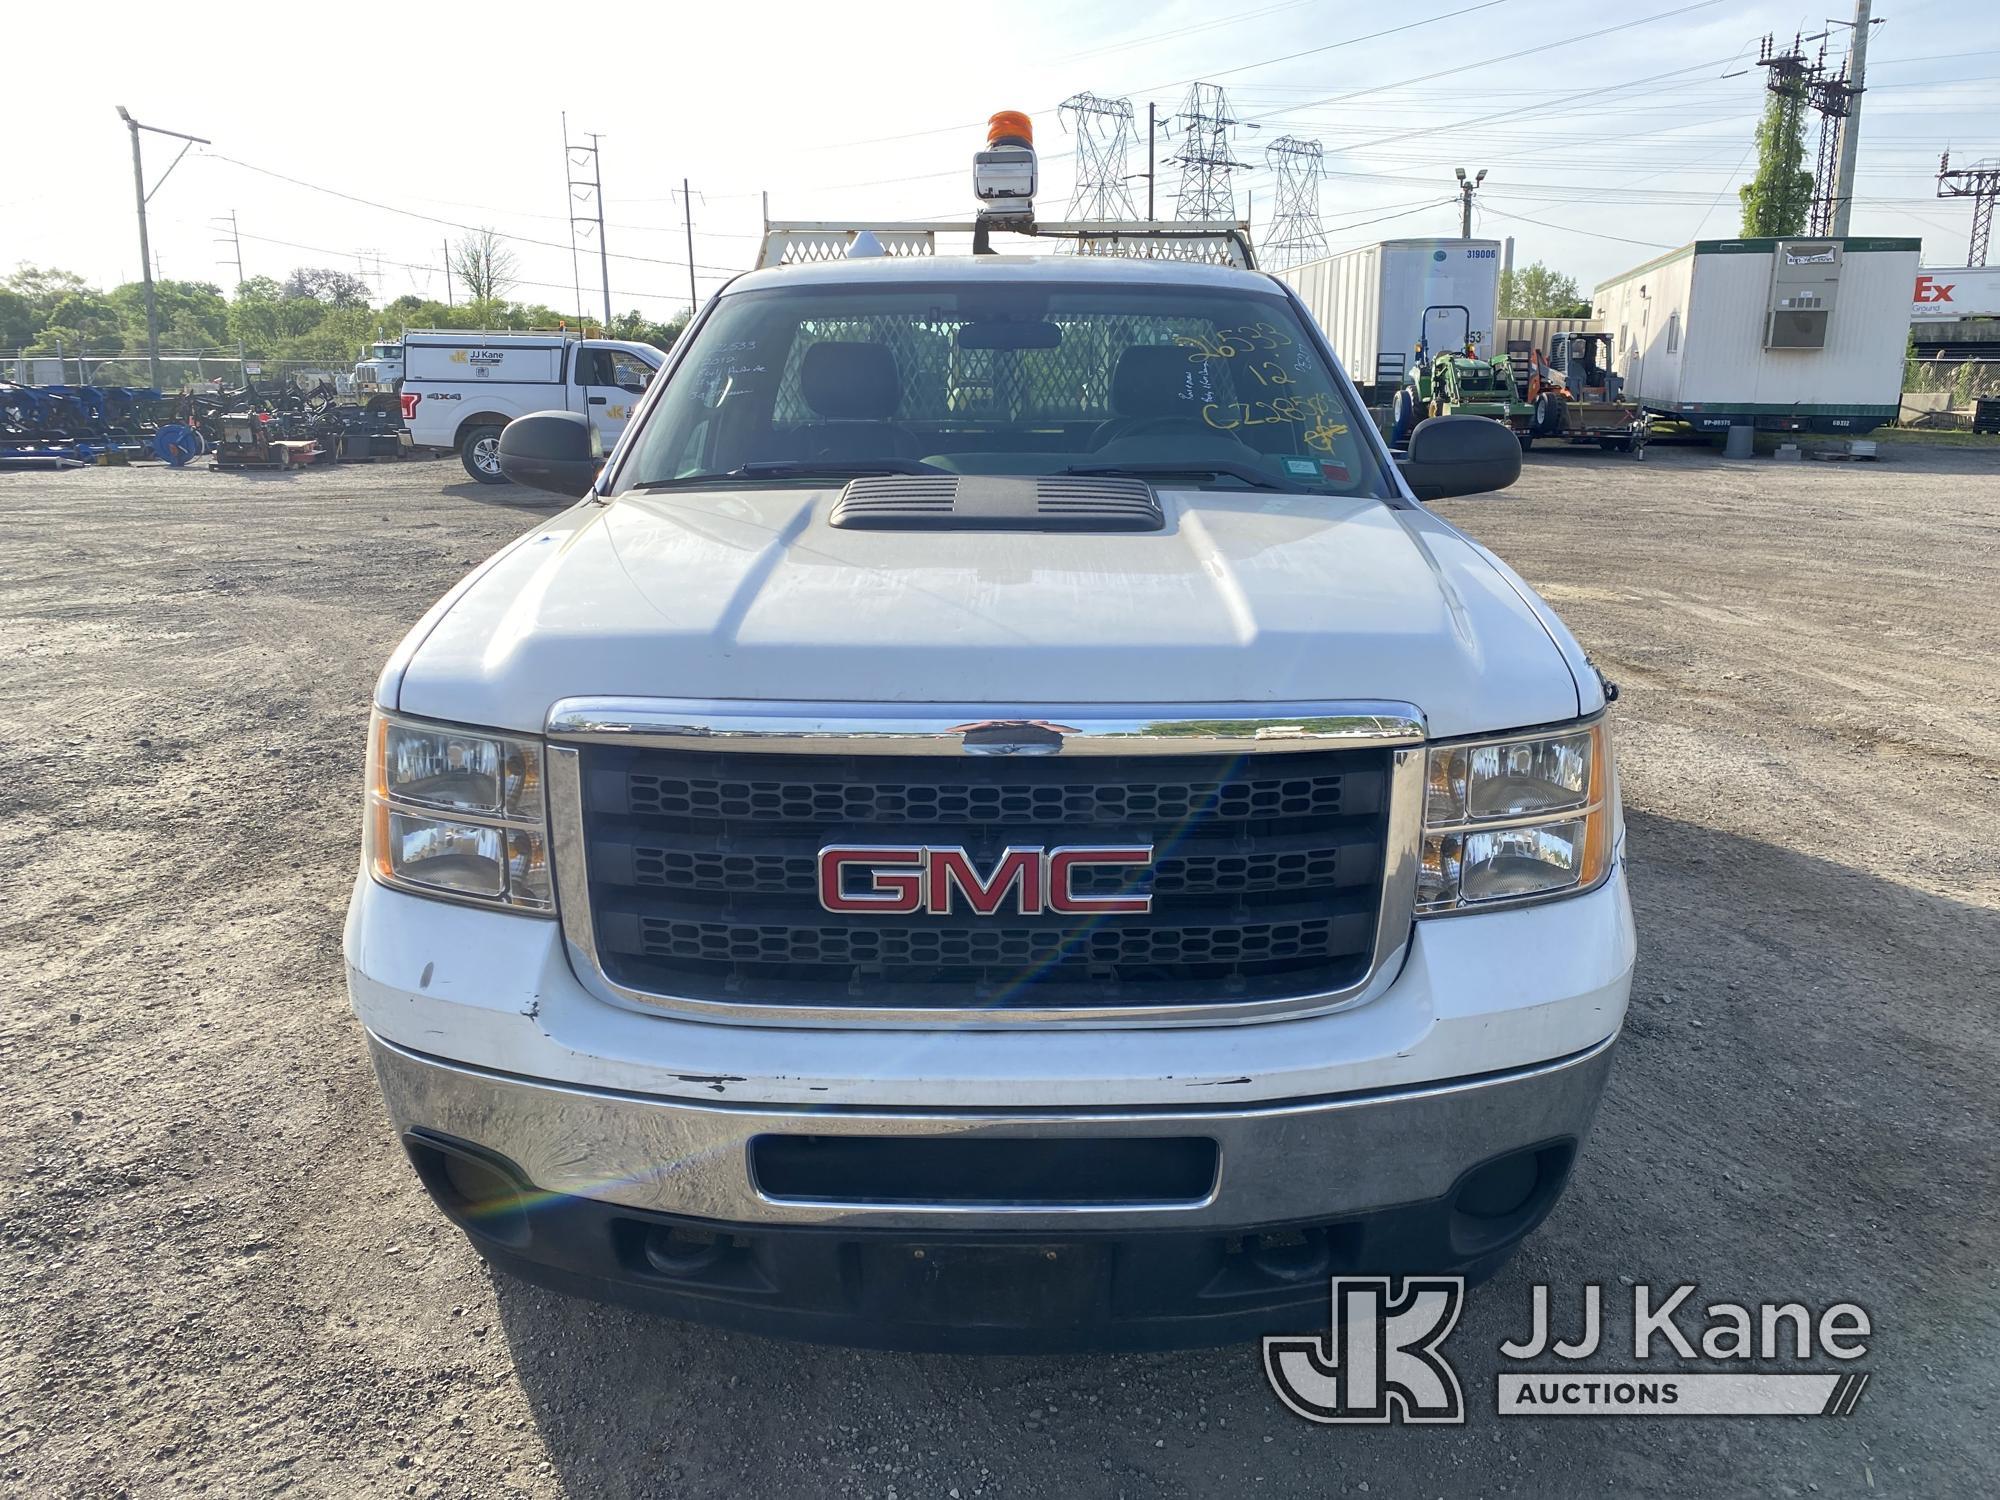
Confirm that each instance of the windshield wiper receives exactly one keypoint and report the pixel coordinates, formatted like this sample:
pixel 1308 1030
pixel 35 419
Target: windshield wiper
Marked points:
pixel 1213 467
pixel 800 468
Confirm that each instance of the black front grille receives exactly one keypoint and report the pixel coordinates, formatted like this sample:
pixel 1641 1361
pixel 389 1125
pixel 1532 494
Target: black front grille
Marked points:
pixel 1265 881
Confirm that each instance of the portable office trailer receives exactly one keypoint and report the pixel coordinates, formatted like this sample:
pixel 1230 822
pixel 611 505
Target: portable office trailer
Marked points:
pixel 1785 335
pixel 1371 302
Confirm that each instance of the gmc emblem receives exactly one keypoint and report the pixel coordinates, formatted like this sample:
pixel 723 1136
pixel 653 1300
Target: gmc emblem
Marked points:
pixel 1027 880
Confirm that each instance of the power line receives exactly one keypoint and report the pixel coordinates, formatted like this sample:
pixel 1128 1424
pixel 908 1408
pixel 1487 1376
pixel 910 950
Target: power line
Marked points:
pixel 1488 62
pixel 406 265
pixel 1566 229
pixel 411 213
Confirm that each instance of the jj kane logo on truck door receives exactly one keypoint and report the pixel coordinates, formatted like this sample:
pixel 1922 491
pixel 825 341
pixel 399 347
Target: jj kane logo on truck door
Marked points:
pixel 1027 880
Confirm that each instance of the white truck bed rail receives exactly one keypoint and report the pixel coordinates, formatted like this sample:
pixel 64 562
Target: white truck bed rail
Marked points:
pixel 1219 242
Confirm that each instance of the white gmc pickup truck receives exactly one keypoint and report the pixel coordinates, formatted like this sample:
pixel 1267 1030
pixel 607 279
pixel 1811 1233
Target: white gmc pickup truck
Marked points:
pixel 1000 821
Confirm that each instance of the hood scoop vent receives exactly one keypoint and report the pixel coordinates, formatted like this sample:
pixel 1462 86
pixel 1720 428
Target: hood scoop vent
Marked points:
pixel 997 502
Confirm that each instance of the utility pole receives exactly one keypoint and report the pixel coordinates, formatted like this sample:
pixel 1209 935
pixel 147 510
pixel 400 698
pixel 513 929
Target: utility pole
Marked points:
pixel 447 272
pixel 687 219
pixel 144 197
pixel 603 255
pixel 233 239
pixel 1850 131
pixel 575 274
pixel 585 191
pixel 1467 186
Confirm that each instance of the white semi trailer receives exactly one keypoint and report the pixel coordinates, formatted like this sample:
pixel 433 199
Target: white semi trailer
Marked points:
pixel 1376 302
pixel 1782 335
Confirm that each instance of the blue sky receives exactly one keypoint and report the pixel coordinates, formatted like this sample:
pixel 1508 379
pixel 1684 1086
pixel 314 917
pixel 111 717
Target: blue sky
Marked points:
pixel 1600 150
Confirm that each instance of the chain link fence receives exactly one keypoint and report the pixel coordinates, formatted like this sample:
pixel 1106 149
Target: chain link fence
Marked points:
pixel 1945 393
pixel 180 369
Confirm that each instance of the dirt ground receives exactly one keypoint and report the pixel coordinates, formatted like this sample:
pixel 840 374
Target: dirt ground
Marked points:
pixel 219 1275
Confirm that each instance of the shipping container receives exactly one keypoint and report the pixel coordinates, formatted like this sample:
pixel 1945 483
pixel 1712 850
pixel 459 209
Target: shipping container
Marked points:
pixel 1785 335
pixel 1372 302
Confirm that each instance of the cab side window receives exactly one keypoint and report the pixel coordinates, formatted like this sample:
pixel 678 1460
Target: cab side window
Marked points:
pixel 612 367
pixel 628 371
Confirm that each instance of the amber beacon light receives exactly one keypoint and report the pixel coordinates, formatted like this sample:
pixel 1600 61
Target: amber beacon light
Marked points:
pixel 1003 175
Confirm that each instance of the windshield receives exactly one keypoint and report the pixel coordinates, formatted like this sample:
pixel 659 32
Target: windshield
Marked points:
pixel 1008 378
pixel 386 351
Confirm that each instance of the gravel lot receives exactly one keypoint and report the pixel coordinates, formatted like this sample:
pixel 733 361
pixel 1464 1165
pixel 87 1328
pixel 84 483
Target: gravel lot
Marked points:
pixel 220 1276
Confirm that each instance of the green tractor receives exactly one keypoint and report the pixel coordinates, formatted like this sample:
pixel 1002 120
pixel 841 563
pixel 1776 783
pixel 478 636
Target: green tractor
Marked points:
pixel 1455 381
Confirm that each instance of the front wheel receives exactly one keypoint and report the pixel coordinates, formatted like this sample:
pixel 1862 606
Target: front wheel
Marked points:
pixel 1403 416
pixel 480 453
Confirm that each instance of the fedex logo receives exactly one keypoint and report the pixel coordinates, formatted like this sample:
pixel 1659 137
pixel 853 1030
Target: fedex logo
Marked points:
pixel 1027 880
pixel 1929 290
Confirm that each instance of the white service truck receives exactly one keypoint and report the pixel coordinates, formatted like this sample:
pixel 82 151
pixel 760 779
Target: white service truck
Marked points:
pixel 1378 302
pixel 459 389
pixel 1074 864
pixel 378 376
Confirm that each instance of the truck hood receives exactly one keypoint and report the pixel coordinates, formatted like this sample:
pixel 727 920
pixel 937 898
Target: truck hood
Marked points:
pixel 751 594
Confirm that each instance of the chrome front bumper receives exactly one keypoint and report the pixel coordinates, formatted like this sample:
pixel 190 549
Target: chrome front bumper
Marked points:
pixel 1309 1160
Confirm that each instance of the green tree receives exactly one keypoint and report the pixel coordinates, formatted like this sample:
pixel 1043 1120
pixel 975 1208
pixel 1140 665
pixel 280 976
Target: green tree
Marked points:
pixel 192 314
pixel 1537 292
pixel 324 284
pixel 91 316
pixel 43 287
pixel 642 330
pixel 482 265
pixel 18 322
pixel 1778 197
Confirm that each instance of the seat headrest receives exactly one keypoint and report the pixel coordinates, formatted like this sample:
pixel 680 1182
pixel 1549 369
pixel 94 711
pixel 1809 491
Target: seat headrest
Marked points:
pixel 850 382
pixel 1151 380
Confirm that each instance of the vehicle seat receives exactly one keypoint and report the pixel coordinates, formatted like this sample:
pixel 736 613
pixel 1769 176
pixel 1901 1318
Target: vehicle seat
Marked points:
pixel 1149 382
pixel 853 389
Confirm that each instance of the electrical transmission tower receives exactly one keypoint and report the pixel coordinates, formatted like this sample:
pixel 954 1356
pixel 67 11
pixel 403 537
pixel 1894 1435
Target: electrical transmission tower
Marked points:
pixel 1833 98
pixel 1981 183
pixel 1205 158
pixel 1809 85
pixel 1296 234
pixel 1103 131
pixel 586 193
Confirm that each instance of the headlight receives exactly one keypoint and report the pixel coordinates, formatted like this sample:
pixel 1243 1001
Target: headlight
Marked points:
pixel 1515 820
pixel 457 813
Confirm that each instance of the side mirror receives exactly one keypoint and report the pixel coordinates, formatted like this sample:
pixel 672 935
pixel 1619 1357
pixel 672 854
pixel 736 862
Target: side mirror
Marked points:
pixel 550 450
pixel 1455 456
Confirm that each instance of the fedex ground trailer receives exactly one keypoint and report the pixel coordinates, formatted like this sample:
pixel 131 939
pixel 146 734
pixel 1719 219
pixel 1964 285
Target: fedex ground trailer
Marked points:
pixel 1375 302
pixel 1782 335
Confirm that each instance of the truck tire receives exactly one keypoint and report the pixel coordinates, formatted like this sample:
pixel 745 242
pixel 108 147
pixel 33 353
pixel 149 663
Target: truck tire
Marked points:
pixel 1548 415
pixel 1403 416
pixel 480 453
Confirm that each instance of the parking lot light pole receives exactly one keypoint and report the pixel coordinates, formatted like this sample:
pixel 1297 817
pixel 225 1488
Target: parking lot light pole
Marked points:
pixel 145 248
